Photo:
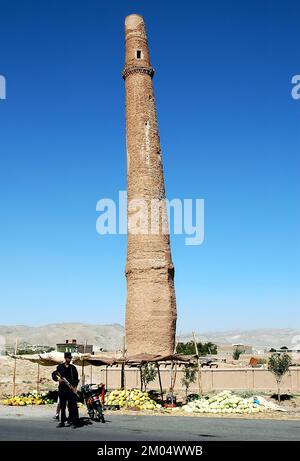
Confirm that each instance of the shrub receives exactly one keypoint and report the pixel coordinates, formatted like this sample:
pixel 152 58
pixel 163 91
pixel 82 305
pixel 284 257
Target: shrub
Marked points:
pixel 279 365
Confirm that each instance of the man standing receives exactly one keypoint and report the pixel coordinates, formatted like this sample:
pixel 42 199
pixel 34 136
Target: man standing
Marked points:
pixel 66 394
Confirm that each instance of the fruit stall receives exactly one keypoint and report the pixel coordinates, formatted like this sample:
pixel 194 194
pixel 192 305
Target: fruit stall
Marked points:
pixel 128 397
pixel 106 362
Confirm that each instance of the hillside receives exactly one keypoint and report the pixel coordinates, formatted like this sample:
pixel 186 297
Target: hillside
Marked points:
pixel 109 337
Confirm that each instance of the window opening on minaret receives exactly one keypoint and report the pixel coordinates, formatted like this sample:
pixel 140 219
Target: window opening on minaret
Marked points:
pixel 138 54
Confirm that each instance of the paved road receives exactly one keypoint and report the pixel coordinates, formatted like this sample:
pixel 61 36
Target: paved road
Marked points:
pixel 150 428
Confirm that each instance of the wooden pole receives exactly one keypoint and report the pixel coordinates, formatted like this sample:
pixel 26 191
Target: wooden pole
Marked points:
pixel 123 375
pixel 38 378
pixel 82 365
pixel 82 374
pixel 123 380
pixel 172 378
pixel 106 377
pixel 160 385
pixel 15 369
pixel 124 355
pixel 91 374
pixel 199 366
pixel 141 377
pixel 175 374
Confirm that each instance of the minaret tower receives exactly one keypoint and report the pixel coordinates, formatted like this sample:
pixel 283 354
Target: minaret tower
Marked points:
pixel 151 304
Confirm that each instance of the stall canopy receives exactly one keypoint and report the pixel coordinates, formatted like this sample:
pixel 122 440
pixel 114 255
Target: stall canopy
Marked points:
pixel 54 358
pixel 110 359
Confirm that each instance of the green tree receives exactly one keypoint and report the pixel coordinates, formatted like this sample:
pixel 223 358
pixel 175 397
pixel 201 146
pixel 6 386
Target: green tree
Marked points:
pixel 236 353
pixel 188 348
pixel 279 365
pixel 149 374
pixel 189 376
pixel 39 350
pixel 209 348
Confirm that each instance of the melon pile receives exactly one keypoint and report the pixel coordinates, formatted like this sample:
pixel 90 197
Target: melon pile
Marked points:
pixel 133 398
pixel 224 402
pixel 32 398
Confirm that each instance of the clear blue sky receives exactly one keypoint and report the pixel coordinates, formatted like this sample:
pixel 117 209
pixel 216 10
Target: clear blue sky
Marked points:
pixel 229 131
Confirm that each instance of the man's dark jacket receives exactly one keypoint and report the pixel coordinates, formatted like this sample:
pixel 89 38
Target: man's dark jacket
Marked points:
pixel 70 373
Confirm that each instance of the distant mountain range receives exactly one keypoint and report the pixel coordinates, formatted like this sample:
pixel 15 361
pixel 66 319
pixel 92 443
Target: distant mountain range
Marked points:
pixel 109 337
pixel 259 339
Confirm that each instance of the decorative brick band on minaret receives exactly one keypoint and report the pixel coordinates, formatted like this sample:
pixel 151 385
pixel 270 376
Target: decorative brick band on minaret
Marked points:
pixel 151 305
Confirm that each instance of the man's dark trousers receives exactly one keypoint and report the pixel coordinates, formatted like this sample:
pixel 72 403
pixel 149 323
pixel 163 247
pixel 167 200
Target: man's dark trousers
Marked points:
pixel 66 395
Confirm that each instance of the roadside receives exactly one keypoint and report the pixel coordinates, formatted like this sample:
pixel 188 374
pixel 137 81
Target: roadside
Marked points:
pixel 48 411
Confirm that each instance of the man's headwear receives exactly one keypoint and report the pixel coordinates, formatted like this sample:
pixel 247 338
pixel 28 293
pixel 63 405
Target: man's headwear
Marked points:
pixel 68 355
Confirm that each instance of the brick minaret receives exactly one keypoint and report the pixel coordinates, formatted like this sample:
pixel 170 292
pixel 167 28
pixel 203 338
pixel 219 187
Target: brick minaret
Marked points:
pixel 151 304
